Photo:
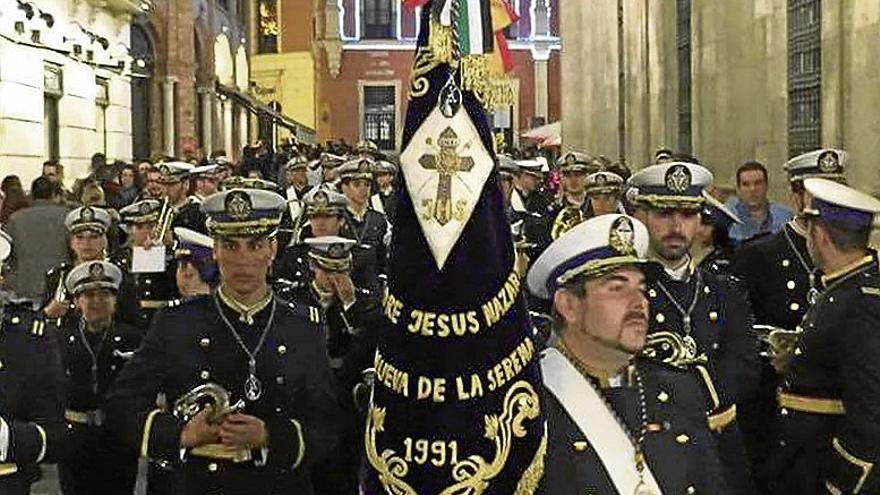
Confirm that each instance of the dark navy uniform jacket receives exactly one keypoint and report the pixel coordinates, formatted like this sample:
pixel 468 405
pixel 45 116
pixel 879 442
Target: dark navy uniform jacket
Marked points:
pixel 370 253
pixel 190 345
pixel 679 449
pixel 831 436
pixel 30 395
pixel 142 294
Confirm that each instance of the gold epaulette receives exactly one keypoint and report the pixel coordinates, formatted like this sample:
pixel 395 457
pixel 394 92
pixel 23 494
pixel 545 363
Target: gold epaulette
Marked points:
pixel 814 405
pixel 314 315
pixel 38 327
pixel 8 469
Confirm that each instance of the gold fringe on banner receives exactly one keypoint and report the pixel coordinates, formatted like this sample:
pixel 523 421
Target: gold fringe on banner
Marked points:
pixel 493 90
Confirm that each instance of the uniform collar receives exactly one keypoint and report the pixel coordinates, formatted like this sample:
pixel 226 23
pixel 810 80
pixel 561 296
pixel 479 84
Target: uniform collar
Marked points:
pixel 797 228
pixel 831 278
pixel 246 312
pixel 601 378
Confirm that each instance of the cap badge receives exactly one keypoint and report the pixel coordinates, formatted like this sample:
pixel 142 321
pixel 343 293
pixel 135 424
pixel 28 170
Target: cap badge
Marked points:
pixel 164 170
pixel 96 270
pixel 829 162
pixel 238 205
pixel 145 208
pixel 601 180
pixel 320 199
pixel 570 159
pixel 621 237
pixel 678 179
pixel 87 214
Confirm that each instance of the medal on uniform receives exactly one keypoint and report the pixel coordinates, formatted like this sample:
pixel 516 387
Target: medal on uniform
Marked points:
pixel 253 388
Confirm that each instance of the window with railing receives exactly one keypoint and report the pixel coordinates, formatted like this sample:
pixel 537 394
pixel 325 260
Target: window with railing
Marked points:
pixel 804 76
pixel 380 110
pixel 53 90
pixel 683 40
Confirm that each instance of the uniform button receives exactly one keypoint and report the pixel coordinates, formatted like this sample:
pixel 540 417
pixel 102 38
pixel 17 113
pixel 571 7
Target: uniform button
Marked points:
pixel 798 351
pixel 213 467
pixel 117 339
pixel 15 320
pixel 783 411
pixel 298 274
pixel 148 281
pixel 147 293
pixel 713 316
pixel 782 443
pixel 205 374
pixel 706 290
pixel 282 349
pixel 112 367
pixel 660 318
pixel 786 263
pixel 715 346
pixel 580 446
pixel 279 380
pixel 790 285
pixel 205 342
pixel 691 490
pixel 278 410
pixel 831 299
pixel 652 293
pixel 71 339
pixel 794 306
pixel 682 439
pixel 663 397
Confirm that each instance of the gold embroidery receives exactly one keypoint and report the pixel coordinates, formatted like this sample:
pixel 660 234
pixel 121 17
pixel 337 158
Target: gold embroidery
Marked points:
pixel 531 477
pixel 673 349
pixel 390 467
pixel 864 465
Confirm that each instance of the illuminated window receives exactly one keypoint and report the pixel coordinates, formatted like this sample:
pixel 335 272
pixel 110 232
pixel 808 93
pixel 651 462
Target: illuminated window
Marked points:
pixel 102 101
pixel 379 116
pixel 269 28
pixel 378 19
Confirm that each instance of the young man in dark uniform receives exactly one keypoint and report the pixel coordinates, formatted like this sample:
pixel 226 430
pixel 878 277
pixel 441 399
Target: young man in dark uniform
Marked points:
pixel 260 361
pixel 94 348
pixel 617 423
pixel 829 397
pixel 700 319
pixel 366 226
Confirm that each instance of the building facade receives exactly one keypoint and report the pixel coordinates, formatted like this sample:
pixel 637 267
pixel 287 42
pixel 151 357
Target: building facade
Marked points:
pixel 726 81
pixel 65 89
pixel 359 54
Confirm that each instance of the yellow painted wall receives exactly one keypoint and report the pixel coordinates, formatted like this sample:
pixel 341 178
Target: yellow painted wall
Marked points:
pixel 292 76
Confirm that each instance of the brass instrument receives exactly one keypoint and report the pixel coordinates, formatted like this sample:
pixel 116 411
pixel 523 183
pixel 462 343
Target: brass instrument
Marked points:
pixel 163 223
pixel 567 218
pixel 61 290
pixel 209 397
pixel 776 341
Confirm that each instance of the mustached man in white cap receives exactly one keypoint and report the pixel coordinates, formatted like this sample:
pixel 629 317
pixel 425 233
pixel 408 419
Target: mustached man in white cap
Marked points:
pixel 32 428
pixel 94 349
pixel 829 394
pixel 268 357
pixel 618 423
pixel 699 319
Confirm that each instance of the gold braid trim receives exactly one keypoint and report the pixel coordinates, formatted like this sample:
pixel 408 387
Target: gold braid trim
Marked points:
pixel 493 90
pixel 473 474
pixel 440 44
pixel 531 477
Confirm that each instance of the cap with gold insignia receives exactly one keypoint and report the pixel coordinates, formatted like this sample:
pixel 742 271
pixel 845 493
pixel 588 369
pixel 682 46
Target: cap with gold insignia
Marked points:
pixel 825 163
pixel 204 171
pixel 299 161
pixel 243 213
pixel 367 148
pixel 590 249
pixel 507 167
pixel 93 275
pixel 576 162
pixel 171 172
pixel 329 160
pixel 384 167
pixel 239 182
pixel 322 202
pixel 604 183
pixel 87 218
pixel 835 202
pixel 532 166
pixel 673 185
pixel 143 211
pixel 360 168
pixel 5 245
pixel 331 253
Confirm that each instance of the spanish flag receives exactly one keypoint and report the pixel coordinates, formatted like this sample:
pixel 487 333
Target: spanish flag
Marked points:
pixel 456 403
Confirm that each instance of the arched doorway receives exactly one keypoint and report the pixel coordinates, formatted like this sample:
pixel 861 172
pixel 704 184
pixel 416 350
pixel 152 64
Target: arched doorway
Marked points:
pixel 141 78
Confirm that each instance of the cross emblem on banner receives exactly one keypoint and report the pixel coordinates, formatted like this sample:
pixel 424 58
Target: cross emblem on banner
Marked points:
pixel 447 163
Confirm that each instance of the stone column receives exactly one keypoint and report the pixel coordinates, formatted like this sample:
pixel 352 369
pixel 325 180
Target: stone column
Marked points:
pixel 227 128
pixel 168 114
pixel 541 88
pixel 243 127
pixel 206 95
